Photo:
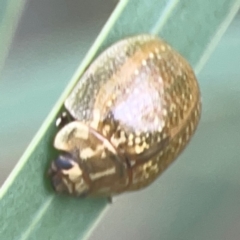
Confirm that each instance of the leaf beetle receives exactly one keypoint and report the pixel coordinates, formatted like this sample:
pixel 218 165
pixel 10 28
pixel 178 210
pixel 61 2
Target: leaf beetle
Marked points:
pixel 132 113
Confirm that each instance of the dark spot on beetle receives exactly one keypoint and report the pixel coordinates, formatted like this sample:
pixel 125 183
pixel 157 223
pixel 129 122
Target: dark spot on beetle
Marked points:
pixel 64 162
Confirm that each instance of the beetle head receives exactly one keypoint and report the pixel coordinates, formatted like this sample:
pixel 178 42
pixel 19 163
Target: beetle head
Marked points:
pixel 65 171
pixel 66 176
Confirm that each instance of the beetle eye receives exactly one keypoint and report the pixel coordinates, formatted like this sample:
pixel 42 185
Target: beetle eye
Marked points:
pixel 64 162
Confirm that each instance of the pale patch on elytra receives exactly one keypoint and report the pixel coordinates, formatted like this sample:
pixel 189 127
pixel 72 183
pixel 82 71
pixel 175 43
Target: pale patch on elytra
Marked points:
pixel 156 121
pixel 163 48
pixel 151 55
pixel 137 140
pixel 98 175
pixel 139 149
pixel 109 103
pixel 146 145
pixel 96 118
pixel 130 137
pixel 136 72
pixel 144 62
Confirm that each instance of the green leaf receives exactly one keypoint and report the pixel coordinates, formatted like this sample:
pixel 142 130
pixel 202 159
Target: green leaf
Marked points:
pixel 29 209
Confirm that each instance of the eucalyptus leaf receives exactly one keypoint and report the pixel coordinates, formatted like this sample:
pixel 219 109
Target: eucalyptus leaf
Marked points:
pixel 29 208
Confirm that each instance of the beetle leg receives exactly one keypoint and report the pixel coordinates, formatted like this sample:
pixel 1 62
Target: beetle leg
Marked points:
pixel 63 119
pixel 110 200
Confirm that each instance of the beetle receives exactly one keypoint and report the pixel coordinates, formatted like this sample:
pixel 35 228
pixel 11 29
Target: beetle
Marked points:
pixel 131 114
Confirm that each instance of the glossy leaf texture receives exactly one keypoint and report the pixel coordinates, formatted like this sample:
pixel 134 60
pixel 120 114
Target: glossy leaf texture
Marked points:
pixel 29 209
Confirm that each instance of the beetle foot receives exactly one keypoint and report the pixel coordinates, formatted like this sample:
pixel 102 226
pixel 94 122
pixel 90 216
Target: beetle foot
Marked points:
pixel 63 119
pixel 110 200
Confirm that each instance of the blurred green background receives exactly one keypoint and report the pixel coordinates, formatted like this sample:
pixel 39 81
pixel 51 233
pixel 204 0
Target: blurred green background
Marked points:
pixel 51 39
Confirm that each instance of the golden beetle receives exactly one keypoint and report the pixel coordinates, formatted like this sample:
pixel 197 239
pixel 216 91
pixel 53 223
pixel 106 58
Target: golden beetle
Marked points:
pixel 133 112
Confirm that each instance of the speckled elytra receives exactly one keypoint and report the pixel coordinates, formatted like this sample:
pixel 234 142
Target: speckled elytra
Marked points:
pixel 132 113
